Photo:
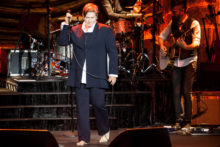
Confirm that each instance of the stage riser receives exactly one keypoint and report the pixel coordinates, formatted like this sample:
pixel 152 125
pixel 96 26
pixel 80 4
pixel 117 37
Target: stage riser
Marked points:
pixel 53 125
pixel 16 108
pixel 47 104
pixel 59 113
pixel 34 85
pixel 52 99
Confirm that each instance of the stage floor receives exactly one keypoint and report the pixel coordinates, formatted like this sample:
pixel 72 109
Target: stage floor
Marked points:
pixel 67 139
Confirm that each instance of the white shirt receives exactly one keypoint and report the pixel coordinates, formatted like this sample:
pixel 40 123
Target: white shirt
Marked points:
pixel 196 37
pixel 90 30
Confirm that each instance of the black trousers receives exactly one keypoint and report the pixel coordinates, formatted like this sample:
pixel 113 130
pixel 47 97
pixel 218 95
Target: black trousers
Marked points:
pixel 97 98
pixel 182 80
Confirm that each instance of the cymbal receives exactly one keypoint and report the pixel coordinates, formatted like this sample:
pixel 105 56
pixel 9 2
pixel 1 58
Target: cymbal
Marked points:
pixel 74 18
pixel 151 14
pixel 129 7
pixel 148 15
pixel 147 7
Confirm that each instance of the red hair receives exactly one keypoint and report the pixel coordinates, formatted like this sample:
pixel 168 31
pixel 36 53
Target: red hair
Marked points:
pixel 90 7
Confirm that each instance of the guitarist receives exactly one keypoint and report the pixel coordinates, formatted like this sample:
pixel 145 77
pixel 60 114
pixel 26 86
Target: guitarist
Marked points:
pixel 185 65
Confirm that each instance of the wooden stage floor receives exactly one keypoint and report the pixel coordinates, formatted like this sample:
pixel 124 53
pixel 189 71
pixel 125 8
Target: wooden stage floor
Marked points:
pixel 67 139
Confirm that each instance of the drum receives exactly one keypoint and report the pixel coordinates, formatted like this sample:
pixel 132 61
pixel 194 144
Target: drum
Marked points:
pixel 58 67
pixel 121 26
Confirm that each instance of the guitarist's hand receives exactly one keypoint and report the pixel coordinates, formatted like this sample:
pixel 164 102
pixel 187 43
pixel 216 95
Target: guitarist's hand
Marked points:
pixel 163 50
pixel 181 43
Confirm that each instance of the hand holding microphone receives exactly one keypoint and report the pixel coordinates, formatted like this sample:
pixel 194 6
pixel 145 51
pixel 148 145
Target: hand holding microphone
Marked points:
pixel 68 17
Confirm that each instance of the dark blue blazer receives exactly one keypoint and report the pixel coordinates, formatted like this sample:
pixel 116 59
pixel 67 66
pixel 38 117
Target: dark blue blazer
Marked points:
pixel 95 50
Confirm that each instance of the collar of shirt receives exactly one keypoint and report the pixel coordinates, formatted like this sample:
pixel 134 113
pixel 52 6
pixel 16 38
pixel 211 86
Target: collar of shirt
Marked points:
pixel 90 30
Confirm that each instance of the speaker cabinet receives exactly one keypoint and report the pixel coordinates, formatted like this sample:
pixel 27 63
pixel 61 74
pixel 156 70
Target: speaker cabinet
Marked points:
pixel 142 137
pixel 208 104
pixel 20 62
pixel 26 138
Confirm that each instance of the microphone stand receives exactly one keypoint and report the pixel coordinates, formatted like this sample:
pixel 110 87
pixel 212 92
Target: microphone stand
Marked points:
pixel 48 35
pixel 71 89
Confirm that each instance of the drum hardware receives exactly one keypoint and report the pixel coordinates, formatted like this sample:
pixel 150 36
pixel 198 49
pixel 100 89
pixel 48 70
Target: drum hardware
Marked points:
pixel 157 19
pixel 142 59
pixel 122 68
pixel 134 59
pixel 37 67
pixel 130 60
pixel 59 67
pixel 76 18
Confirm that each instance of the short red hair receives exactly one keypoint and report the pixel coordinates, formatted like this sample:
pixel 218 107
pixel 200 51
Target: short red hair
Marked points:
pixel 90 7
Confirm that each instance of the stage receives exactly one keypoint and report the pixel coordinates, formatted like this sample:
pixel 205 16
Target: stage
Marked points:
pixel 144 102
pixel 65 139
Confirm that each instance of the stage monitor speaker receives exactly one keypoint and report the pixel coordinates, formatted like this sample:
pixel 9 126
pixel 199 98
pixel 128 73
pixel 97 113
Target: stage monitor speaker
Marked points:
pixel 209 105
pixel 20 62
pixel 27 138
pixel 142 137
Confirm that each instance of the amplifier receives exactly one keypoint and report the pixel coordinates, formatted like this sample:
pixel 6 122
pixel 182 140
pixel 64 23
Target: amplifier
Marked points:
pixel 206 106
pixel 20 62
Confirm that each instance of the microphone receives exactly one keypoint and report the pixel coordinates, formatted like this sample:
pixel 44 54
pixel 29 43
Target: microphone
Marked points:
pixel 68 11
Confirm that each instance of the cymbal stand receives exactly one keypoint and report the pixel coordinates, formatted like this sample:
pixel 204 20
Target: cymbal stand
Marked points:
pixel 142 57
pixel 122 49
pixel 154 64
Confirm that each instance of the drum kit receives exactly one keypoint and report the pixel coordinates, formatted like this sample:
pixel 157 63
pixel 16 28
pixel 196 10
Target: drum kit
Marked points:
pixel 135 56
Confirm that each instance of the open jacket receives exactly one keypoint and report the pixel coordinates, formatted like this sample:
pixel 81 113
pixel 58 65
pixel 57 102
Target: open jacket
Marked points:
pixel 94 50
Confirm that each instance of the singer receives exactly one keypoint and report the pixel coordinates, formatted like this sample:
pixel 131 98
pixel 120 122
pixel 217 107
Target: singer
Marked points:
pixel 187 34
pixel 90 72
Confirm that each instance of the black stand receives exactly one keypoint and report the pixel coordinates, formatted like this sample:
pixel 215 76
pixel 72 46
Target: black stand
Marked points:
pixel 48 35
pixel 154 64
pixel 198 107
pixel 71 89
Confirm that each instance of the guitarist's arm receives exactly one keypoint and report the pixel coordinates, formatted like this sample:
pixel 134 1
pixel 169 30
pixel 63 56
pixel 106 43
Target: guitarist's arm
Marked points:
pixel 163 36
pixel 196 37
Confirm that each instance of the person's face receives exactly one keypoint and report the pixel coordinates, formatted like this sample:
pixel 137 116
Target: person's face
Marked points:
pixel 90 18
pixel 178 11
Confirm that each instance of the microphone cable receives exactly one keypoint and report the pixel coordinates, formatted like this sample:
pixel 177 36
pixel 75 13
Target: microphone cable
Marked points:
pixel 94 76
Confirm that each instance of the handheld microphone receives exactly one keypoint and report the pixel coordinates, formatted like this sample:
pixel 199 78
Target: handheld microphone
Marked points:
pixel 69 11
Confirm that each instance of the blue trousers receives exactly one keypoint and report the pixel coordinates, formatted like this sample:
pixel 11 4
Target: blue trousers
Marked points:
pixel 97 98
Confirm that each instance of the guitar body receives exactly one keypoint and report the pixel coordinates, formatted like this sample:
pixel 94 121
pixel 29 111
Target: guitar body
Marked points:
pixel 173 50
pixel 172 54
pixel 163 61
